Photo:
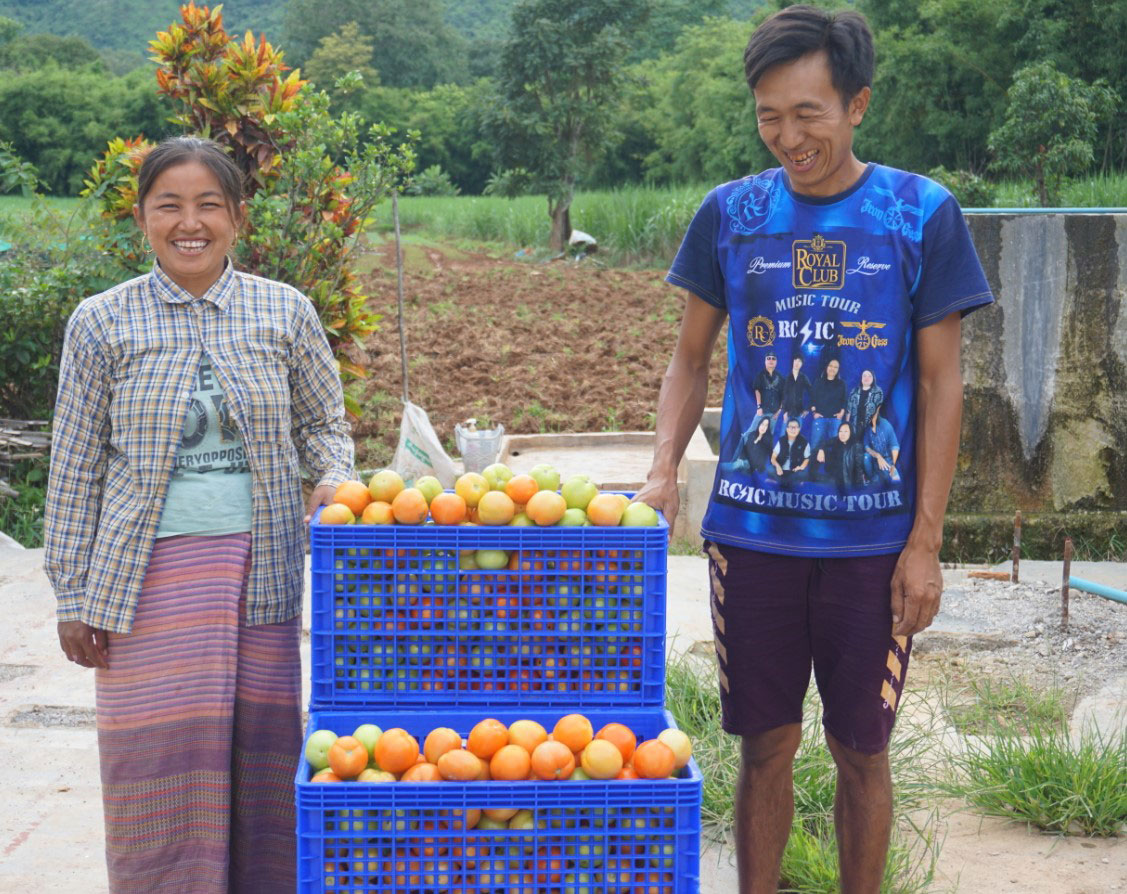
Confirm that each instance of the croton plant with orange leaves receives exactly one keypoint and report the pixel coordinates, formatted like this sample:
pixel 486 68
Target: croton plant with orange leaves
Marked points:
pixel 305 212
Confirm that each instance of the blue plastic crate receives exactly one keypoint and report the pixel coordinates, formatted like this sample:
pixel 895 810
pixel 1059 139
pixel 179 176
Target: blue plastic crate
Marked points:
pixel 410 838
pixel 578 620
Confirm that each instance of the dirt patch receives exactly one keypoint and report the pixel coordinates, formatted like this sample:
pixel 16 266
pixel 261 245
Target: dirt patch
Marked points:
pixel 537 347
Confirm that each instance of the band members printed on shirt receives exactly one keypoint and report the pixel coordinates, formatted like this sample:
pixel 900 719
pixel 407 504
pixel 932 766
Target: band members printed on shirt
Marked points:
pixel 790 459
pixel 842 460
pixel 796 393
pixel 827 403
pixel 768 388
pixel 754 451
pixel 882 449
pixel 864 400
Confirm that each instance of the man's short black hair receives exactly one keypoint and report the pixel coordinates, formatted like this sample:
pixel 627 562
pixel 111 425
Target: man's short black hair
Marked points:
pixel 797 30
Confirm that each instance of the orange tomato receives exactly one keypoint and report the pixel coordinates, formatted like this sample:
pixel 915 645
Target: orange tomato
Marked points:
pixel 601 759
pixel 421 772
pixel 521 488
pixel 397 750
pixel 459 766
pixel 553 760
pixel 546 508
pixel 605 510
pixel 654 760
pixel 510 762
pixel 527 734
pixel 347 757
pixel 574 731
pixel 439 741
pixel 410 507
pixel 448 509
pixel 487 738
pixel 377 513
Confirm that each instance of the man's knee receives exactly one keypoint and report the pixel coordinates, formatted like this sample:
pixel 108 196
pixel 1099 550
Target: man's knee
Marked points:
pixel 773 749
pixel 857 764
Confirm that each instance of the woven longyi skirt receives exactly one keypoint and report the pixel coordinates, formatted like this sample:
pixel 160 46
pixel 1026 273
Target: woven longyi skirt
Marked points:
pixel 199 728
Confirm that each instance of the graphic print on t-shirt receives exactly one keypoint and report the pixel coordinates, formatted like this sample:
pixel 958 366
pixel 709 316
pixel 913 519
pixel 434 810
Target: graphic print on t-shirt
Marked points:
pixel 210 441
pixel 817 442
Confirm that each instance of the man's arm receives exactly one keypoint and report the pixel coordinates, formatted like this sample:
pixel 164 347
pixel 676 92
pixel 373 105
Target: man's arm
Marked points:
pixel 681 402
pixel 917 582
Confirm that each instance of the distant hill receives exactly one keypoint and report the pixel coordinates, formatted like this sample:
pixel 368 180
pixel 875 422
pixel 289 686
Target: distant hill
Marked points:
pixel 129 25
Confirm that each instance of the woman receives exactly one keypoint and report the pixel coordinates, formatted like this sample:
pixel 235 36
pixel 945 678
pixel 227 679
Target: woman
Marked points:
pixel 754 452
pixel 827 403
pixel 843 460
pixel 864 401
pixel 174 536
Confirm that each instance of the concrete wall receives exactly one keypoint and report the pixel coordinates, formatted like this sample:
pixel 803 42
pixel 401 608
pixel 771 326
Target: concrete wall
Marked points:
pixel 1045 368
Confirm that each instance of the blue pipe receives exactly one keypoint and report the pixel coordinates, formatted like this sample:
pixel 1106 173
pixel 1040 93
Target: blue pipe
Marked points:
pixel 1078 583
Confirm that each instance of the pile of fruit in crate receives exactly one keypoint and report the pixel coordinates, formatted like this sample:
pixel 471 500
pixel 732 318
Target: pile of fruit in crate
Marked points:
pixel 494 497
pixel 522 751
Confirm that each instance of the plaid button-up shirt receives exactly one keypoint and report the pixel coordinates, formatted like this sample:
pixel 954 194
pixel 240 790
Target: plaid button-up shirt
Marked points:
pixel 125 385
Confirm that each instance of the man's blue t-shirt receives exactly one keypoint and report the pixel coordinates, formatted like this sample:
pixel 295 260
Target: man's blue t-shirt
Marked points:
pixel 847 277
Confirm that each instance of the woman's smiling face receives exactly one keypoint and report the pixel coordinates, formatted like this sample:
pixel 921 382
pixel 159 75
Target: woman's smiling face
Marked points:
pixel 190 225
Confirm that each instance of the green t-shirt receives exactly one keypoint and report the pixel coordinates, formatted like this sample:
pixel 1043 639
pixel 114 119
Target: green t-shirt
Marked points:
pixel 210 488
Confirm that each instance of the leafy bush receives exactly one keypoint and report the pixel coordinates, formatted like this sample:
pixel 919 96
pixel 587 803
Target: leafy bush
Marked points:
pixel 432 182
pixel 969 189
pixel 313 179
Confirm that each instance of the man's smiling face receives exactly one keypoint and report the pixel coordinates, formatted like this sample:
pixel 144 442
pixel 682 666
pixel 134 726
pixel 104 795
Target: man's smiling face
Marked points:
pixel 804 123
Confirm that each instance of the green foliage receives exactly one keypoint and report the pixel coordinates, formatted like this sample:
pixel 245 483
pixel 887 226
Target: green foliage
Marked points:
pixel 314 178
pixel 61 118
pixel 561 71
pixel 433 181
pixel 52 266
pixel 695 107
pixel 304 229
pixel 15 173
pixel 412 45
pixel 968 188
pixel 509 183
pixel 28 52
pixel 1008 706
pixel 339 53
pixel 21 517
pixel 1050 127
pixel 1062 784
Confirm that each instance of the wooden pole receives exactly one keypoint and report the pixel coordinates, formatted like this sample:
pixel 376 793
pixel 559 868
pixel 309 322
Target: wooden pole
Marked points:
pixel 1017 545
pixel 1064 583
pixel 399 290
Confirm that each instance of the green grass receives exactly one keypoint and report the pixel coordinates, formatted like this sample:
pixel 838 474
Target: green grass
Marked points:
pixel 21 517
pixel 634 225
pixel 810 861
pixel 1100 191
pixel 1010 707
pixel 15 207
pixel 1048 779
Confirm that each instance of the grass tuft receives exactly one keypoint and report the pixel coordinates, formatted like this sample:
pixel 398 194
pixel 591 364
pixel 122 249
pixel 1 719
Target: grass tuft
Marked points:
pixel 1049 779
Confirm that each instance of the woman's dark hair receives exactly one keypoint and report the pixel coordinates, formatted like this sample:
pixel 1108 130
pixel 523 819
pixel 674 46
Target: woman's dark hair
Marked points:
pixel 797 30
pixel 179 150
pixel 845 424
pixel 759 433
pixel 826 369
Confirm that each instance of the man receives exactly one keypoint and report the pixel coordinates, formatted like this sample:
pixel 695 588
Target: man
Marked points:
pixel 768 388
pixel 881 450
pixel 791 455
pixel 796 393
pixel 814 576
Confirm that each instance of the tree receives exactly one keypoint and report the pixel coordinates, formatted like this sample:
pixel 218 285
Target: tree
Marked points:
pixel 412 45
pixel 339 53
pixel 560 74
pixel 1050 127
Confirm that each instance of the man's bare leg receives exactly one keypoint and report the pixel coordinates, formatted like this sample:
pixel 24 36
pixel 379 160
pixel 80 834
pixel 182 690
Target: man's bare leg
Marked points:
pixel 764 806
pixel 862 816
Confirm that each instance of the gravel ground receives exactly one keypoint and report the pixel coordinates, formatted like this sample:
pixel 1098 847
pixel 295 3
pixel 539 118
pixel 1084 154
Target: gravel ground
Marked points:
pixel 1014 629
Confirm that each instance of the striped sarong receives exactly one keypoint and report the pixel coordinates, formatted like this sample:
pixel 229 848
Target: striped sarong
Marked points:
pixel 199 728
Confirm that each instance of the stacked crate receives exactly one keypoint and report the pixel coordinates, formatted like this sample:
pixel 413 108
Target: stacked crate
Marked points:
pixel 405 632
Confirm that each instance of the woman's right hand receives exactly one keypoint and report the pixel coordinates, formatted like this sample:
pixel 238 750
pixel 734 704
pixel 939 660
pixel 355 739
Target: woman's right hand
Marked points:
pixel 83 644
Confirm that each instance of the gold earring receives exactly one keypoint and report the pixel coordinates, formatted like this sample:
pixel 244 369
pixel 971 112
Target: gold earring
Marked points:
pixel 144 239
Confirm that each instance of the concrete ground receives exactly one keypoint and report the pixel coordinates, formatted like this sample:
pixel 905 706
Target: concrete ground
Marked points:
pixel 50 816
